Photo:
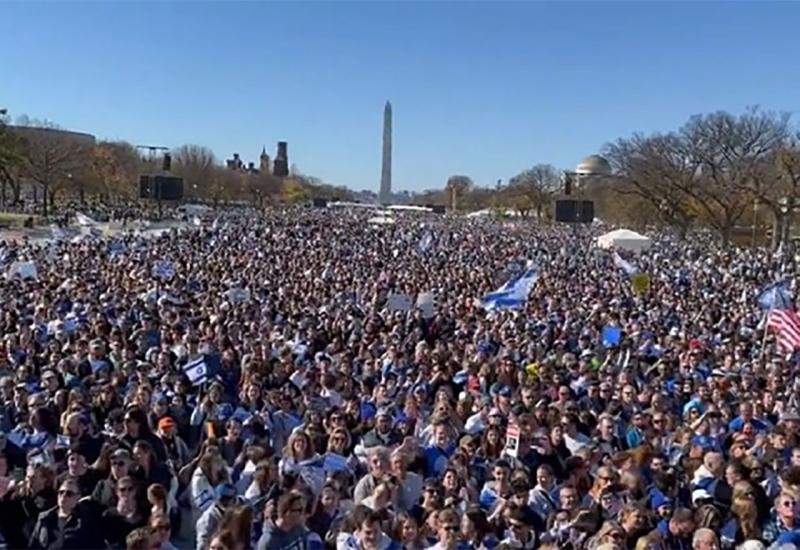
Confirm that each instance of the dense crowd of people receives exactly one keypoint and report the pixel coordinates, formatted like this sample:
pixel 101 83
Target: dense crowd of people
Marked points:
pixel 275 380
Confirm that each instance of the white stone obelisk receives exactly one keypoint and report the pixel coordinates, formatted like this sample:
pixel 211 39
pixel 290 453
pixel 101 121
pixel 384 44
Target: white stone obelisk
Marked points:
pixel 385 196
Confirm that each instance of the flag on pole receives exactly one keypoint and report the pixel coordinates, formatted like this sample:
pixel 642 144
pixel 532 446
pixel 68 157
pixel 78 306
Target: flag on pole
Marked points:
pixel 514 293
pixel 425 242
pixel 786 325
pixel 776 296
pixel 84 220
pixel 57 233
pixel 624 265
pixel 199 370
pixel 164 270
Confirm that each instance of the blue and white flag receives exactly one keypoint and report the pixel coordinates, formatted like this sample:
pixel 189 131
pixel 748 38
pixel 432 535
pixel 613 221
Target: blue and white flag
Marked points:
pixel 514 293
pixel 776 296
pixel 164 270
pixel 198 371
pixel 23 270
pixel 84 220
pixel 425 242
pixel 116 248
pixel 57 233
pixel 625 266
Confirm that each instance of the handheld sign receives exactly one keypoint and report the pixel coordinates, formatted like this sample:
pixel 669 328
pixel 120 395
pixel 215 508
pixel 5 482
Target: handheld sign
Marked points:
pixel 640 283
pixel 399 302
pixel 512 440
pixel 426 302
pixel 611 337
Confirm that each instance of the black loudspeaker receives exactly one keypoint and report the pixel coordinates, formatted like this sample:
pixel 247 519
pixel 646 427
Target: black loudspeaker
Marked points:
pixel 320 203
pixel 439 209
pixel 167 164
pixel 168 188
pixel 574 211
pixel 280 166
pixel 145 187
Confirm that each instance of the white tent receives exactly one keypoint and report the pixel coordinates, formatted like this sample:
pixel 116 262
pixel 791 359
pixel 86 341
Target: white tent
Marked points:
pixel 623 239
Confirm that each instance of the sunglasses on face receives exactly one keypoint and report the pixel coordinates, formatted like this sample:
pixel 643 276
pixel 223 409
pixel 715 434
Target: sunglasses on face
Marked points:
pixel 452 527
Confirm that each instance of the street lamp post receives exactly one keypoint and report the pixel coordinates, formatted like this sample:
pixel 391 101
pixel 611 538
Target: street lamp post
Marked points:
pixel 755 222
pixel 786 207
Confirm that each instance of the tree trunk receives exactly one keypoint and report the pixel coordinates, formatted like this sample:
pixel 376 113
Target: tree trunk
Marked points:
pixel 16 191
pixel 725 234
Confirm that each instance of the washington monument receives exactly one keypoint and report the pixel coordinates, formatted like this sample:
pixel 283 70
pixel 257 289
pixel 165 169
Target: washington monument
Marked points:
pixel 385 196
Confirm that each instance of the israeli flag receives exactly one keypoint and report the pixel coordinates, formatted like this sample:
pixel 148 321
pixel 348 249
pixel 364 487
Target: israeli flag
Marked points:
pixel 776 296
pixel 115 248
pixel 196 371
pixel 164 270
pixel 425 242
pixel 84 220
pixel 57 233
pixel 514 293
pixel 625 266
pixel 238 295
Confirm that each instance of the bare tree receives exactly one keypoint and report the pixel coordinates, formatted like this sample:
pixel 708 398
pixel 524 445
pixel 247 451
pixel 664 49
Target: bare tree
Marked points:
pixel 11 159
pixel 784 186
pixel 263 186
pixel 53 159
pixel 116 167
pixel 656 170
pixel 534 189
pixel 730 153
pixel 197 165
pixel 457 186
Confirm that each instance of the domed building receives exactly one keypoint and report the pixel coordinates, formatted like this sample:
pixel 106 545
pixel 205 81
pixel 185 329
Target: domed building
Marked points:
pixel 593 165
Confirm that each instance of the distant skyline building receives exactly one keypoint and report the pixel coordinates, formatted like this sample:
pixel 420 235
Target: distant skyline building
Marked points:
pixel 238 165
pixel 385 195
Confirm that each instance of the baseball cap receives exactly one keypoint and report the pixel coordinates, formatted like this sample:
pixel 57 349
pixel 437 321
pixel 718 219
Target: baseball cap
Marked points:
pixel 166 422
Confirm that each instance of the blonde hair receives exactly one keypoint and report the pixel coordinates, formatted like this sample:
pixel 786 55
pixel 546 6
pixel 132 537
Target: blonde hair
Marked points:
pixel 745 510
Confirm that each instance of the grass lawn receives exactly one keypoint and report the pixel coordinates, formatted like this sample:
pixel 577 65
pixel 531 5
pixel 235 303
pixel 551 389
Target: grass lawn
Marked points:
pixel 13 219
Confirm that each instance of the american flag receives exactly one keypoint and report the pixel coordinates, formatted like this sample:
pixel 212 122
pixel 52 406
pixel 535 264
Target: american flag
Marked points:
pixel 786 324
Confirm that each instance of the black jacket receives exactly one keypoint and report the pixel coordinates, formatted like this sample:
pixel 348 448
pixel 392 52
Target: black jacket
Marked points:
pixel 78 531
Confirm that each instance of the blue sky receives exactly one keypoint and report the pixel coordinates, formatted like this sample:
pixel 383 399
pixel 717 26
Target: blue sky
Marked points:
pixel 483 89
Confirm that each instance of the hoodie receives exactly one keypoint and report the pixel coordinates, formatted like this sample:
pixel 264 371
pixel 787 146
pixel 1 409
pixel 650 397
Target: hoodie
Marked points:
pixel 299 538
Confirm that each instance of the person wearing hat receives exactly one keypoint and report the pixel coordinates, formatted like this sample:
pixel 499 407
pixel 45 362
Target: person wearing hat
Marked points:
pixel 177 450
pixel 225 497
